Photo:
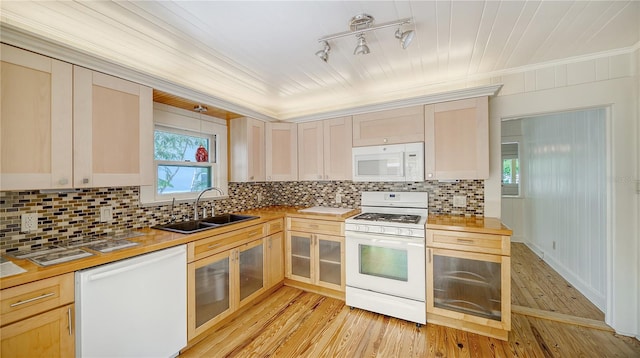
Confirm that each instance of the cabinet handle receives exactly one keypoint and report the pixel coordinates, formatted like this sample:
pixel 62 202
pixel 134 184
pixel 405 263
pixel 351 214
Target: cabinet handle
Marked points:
pixel 255 232
pixel 213 246
pixel 251 178
pixel 85 181
pixel 63 181
pixel 466 241
pixel 69 321
pixel 429 255
pixel 32 299
pixel 313 226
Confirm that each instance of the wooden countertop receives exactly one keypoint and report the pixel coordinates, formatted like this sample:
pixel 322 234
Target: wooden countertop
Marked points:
pixel 483 225
pixel 153 240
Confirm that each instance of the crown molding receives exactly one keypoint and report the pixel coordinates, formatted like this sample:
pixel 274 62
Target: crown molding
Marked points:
pixel 19 38
pixel 490 90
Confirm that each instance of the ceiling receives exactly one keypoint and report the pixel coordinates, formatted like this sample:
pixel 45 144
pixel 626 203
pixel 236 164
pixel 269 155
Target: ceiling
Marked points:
pixel 259 57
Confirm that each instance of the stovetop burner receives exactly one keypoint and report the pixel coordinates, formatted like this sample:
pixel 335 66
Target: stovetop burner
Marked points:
pixel 395 218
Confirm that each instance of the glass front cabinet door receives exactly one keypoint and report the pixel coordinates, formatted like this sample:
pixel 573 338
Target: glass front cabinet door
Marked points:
pixel 470 287
pixel 250 258
pixel 315 259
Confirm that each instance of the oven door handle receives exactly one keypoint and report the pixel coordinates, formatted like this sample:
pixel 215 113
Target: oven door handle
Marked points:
pixel 391 239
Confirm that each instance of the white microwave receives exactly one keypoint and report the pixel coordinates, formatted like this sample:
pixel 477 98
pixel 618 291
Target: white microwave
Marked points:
pixel 395 162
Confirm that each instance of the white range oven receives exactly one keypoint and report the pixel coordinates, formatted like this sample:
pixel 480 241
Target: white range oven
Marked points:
pixel 385 255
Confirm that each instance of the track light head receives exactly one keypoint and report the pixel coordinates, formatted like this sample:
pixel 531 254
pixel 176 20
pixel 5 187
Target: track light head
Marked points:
pixel 405 37
pixel 324 53
pixel 361 48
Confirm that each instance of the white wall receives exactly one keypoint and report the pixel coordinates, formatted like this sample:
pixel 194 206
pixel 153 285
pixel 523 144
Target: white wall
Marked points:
pixel 600 82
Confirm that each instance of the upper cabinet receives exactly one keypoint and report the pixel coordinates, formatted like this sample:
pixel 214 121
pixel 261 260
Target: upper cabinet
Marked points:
pixel 457 139
pixel 36 121
pixel 113 131
pixel 65 126
pixel 324 149
pixel 402 125
pixel 282 151
pixel 247 150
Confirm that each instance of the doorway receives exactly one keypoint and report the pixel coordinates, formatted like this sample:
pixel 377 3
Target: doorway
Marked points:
pixel 558 206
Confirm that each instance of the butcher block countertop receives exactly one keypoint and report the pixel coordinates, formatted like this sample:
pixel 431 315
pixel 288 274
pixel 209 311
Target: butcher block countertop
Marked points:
pixel 483 225
pixel 155 240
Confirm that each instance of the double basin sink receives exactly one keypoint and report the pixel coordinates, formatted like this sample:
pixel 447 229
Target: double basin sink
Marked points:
pixel 192 226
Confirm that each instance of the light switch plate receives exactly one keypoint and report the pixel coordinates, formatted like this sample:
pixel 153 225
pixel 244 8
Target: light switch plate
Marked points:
pixel 459 201
pixel 338 198
pixel 29 222
pixel 106 213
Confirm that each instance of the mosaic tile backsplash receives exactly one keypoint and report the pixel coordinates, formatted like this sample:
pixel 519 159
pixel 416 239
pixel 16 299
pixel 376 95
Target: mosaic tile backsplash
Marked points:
pixel 68 216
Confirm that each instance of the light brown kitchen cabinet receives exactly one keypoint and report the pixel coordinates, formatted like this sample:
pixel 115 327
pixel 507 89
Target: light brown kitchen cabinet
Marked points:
pixel 247 150
pixel 220 284
pixel 457 139
pixel 281 151
pixel 36 123
pixel 324 149
pixel 38 319
pixel 113 131
pixel 315 253
pixel 275 259
pixel 394 126
pixel 469 281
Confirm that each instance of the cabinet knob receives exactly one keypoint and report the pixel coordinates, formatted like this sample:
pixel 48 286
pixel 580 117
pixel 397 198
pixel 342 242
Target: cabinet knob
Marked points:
pixel 63 181
pixel 85 181
pixel 251 178
pixel 384 140
pixel 430 175
pixel 268 178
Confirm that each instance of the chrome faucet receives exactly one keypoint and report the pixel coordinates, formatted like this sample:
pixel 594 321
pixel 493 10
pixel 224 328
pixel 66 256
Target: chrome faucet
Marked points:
pixel 195 204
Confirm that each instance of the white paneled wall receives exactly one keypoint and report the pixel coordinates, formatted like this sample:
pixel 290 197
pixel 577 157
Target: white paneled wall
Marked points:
pixel 564 157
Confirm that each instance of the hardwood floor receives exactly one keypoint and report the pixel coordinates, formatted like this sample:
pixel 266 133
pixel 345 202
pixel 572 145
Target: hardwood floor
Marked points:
pixel 294 323
pixel 535 284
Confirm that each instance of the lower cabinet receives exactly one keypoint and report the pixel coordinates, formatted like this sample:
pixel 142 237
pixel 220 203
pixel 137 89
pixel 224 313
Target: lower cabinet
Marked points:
pixel 38 319
pixel 222 283
pixel 316 259
pixel 468 290
pixel 227 271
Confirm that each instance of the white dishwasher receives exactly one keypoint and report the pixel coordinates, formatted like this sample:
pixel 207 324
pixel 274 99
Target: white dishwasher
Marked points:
pixel 133 308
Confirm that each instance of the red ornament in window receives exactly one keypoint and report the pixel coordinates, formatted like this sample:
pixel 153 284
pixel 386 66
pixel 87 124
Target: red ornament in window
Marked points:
pixel 201 154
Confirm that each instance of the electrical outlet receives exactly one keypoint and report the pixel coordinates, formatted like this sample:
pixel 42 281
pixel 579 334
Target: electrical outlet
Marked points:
pixel 29 222
pixel 338 198
pixel 259 198
pixel 459 201
pixel 106 213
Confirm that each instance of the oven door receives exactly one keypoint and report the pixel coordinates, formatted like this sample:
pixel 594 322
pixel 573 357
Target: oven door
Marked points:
pixel 393 265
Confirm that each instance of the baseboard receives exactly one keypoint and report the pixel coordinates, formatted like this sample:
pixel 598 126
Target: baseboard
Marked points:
pixel 561 317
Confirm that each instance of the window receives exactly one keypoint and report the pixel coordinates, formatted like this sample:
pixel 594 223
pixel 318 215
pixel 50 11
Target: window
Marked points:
pixel 510 169
pixel 178 136
pixel 177 171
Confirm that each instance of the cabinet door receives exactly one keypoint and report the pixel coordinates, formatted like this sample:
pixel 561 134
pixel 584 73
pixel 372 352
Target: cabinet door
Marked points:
pixel 275 259
pixel 210 297
pixel 247 150
pixel 299 256
pixel 36 121
pixel 402 125
pixel 469 287
pixel 457 139
pixel 310 151
pixel 330 269
pixel 338 136
pixel 49 334
pixel 282 151
pixel 113 131
pixel 251 273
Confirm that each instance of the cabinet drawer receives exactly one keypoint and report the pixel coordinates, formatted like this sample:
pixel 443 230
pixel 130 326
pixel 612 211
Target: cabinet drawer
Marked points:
pixel 274 226
pixel 32 298
pixel 467 241
pixel 218 243
pixel 316 226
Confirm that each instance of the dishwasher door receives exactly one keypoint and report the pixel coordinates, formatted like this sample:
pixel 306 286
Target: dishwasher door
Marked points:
pixel 133 308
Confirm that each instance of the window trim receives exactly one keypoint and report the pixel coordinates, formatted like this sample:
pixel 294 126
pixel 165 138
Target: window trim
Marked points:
pixel 517 186
pixel 190 123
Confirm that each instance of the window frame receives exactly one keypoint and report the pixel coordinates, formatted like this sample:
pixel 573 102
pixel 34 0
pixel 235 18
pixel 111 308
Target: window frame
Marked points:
pixel 179 121
pixel 511 190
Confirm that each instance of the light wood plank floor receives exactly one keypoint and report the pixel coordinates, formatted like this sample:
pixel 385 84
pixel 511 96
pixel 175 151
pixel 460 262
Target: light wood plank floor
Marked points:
pixel 294 323
pixel 536 285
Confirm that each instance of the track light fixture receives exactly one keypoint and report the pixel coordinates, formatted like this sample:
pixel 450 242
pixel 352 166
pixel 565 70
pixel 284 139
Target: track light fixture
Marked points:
pixel 359 25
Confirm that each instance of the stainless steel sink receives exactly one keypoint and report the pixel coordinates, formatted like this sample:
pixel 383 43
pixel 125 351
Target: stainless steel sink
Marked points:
pixel 192 226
